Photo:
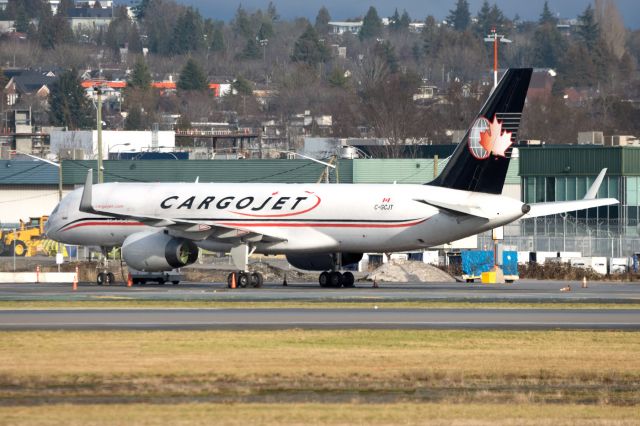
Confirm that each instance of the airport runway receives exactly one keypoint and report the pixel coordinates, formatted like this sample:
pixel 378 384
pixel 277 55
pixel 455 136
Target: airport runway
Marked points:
pixel 372 318
pixel 522 291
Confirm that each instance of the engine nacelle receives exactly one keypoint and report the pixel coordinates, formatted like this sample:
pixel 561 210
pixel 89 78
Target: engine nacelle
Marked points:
pixel 321 261
pixel 154 251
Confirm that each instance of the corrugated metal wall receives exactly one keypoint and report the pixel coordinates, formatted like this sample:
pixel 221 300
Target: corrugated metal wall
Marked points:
pixel 298 171
pixel 578 160
pixel 389 171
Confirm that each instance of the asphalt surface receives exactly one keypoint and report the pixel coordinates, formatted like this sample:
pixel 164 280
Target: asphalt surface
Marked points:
pixel 521 291
pixel 370 316
pixel 170 319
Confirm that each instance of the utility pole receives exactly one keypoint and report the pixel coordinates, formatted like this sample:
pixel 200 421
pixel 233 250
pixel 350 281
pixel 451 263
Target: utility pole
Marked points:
pixel 98 91
pixel 495 38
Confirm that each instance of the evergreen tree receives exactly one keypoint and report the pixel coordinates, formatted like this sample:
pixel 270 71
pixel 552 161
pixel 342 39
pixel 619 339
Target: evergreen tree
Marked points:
pixel 53 30
pixel 97 5
pixel 140 76
pixel 65 7
pixel 588 30
pixel 217 41
pixel 134 119
pixel 134 42
pixel 140 9
pixel 387 52
pixel 272 13
pixel 188 35
pixel 371 25
pixel 68 104
pixel 405 20
pixel 251 50
pixel 460 17
pixel 22 21
pixel 241 24
pixel 322 21
pixel 548 46
pixel 431 37
pixel 394 21
pixel 266 31
pixel 192 77
pixel 309 49
pixel 546 17
pixel 337 78
pixel 242 86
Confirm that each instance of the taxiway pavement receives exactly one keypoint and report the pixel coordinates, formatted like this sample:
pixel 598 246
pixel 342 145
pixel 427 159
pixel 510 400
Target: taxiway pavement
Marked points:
pixel 374 318
pixel 521 291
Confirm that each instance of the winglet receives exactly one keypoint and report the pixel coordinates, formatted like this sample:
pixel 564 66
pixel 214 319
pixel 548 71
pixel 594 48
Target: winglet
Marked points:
pixel 85 201
pixel 592 193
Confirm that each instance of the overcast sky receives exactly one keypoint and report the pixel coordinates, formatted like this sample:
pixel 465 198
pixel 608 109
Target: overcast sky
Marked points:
pixel 418 9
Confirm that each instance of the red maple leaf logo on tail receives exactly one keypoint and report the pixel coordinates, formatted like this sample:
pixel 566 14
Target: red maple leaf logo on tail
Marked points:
pixel 494 140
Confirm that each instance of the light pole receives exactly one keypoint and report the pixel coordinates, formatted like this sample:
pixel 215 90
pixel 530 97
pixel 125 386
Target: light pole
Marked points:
pixel 98 92
pixel 263 42
pixel 59 166
pixel 327 165
pixel 495 38
pixel 118 144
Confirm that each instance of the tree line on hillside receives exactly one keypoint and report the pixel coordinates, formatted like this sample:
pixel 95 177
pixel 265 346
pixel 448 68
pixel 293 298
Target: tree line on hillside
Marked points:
pixel 299 64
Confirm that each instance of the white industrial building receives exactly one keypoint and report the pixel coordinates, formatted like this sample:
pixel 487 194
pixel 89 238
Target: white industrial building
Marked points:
pixel 83 144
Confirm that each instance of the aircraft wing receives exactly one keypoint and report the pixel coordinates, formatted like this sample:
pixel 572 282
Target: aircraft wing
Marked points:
pixel 589 201
pixel 190 229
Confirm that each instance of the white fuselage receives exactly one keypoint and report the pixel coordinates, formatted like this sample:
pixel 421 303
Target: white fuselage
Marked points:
pixel 299 217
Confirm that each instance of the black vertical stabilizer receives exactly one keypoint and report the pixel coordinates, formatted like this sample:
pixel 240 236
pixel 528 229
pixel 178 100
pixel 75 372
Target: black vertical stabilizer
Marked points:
pixel 470 171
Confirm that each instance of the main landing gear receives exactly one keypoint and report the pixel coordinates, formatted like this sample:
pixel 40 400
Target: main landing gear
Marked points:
pixel 336 279
pixel 243 278
pixel 105 277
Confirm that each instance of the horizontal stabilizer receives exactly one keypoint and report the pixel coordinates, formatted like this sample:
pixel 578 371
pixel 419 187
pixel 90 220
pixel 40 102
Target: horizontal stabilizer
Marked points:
pixel 589 201
pixel 458 209
pixel 544 209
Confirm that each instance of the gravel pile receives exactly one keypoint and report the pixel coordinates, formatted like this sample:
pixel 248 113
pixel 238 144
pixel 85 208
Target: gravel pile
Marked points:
pixel 409 271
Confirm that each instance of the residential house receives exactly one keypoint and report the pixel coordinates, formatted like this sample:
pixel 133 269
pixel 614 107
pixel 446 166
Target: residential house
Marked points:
pixel 28 82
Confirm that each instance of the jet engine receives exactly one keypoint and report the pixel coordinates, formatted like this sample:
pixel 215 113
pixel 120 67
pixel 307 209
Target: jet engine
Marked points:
pixel 321 261
pixel 156 251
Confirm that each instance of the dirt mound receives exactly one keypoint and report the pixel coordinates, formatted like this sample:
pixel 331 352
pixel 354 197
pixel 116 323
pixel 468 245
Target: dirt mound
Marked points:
pixel 409 271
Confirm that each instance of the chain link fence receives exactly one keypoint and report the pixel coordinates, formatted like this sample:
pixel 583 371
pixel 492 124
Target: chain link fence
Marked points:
pixel 568 234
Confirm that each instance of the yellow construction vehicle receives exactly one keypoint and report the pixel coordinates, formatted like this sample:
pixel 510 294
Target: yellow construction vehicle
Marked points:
pixel 25 240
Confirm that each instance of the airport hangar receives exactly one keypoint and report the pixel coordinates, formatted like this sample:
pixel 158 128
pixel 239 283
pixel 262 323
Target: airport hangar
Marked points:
pixel 536 174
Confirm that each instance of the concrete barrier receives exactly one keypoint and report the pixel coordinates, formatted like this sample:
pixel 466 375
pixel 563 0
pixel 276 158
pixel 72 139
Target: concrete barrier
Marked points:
pixel 32 277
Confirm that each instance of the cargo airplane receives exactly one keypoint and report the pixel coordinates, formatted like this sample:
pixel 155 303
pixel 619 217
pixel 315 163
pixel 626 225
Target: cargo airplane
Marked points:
pixel 319 227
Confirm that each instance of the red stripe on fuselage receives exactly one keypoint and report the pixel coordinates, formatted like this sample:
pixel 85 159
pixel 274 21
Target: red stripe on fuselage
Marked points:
pixel 78 225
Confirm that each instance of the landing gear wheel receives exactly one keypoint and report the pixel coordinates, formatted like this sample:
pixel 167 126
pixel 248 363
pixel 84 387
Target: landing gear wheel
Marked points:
pixel 324 279
pixel 110 278
pixel 101 278
pixel 243 279
pixel 335 279
pixel 175 282
pixel 256 280
pixel 348 279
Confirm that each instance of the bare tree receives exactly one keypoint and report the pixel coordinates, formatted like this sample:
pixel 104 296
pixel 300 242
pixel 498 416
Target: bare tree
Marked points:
pixel 612 28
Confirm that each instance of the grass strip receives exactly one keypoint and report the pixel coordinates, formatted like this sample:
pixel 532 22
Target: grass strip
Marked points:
pixel 312 413
pixel 296 366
